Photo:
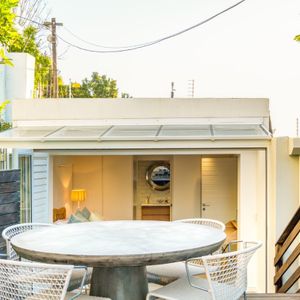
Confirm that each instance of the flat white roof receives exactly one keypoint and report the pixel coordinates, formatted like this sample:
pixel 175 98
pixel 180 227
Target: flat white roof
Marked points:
pixel 137 123
pixel 136 132
pixel 65 136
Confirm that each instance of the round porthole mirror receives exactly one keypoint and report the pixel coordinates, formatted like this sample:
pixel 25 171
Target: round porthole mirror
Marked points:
pixel 158 176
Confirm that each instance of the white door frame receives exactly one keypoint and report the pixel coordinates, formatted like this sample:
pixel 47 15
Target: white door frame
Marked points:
pixel 249 188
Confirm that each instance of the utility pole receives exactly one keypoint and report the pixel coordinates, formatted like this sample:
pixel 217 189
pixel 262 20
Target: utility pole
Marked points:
pixel 53 24
pixel 172 89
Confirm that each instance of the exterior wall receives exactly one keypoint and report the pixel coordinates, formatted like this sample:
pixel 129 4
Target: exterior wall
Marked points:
pixel 285 181
pixel 143 111
pixel 252 213
pixel 2 83
pixel 285 185
pixel 19 79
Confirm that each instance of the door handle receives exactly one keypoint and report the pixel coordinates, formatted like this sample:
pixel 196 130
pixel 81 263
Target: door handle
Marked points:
pixel 204 205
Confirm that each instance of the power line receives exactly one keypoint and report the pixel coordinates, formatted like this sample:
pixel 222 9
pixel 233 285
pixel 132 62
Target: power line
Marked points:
pixel 94 44
pixel 143 45
pixel 137 46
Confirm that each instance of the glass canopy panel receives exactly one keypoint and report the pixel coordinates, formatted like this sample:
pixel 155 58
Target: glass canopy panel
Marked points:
pixel 185 131
pixel 78 133
pixel 238 130
pixel 28 133
pixel 132 131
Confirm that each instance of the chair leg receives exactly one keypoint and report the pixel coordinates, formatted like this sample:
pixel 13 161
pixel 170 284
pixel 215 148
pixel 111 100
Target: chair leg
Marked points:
pixel 245 296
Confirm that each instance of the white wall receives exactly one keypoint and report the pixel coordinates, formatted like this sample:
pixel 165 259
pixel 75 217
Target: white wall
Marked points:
pixel 62 182
pixel 145 110
pixel 108 181
pixel 285 182
pixel 118 187
pixel 88 175
pixel 252 212
pixel 2 83
pixel 19 79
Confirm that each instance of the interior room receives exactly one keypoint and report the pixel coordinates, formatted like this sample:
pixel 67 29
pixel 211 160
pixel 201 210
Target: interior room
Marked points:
pixel 154 187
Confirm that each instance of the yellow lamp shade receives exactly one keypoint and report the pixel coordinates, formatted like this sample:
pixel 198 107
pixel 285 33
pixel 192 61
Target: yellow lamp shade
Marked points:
pixel 78 195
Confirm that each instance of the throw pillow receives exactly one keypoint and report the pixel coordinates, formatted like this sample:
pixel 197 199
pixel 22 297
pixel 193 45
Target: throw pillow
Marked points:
pixel 80 216
pixel 86 213
pixel 74 219
pixel 94 216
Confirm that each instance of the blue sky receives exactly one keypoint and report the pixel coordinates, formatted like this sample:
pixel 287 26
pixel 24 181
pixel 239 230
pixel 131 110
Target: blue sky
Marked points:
pixel 247 52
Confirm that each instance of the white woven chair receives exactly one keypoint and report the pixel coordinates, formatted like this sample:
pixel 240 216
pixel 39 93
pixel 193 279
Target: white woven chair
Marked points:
pixel 36 281
pixel 207 222
pixel 9 232
pixel 226 277
pixel 13 230
pixel 167 273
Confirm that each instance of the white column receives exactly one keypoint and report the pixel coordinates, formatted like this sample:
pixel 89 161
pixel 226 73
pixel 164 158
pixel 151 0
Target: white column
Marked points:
pixel 19 79
pixel 252 211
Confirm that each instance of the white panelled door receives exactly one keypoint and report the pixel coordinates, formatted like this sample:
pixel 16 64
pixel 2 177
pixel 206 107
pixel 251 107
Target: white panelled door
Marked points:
pixel 219 188
pixel 40 186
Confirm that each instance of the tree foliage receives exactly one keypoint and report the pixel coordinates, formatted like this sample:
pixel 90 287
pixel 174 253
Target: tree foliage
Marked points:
pixel 28 44
pixel 25 41
pixel 3 125
pixel 8 33
pixel 98 86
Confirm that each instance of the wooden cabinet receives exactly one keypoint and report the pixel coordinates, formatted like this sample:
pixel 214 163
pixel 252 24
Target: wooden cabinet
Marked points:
pixel 156 212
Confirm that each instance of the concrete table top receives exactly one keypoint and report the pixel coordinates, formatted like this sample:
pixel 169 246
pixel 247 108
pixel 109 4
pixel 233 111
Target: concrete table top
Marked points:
pixel 118 243
pixel 118 251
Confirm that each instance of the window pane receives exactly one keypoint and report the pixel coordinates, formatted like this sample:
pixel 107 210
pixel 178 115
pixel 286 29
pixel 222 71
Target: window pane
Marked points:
pixel 28 132
pixel 78 133
pixel 133 131
pixel 238 130
pixel 185 130
pixel 25 188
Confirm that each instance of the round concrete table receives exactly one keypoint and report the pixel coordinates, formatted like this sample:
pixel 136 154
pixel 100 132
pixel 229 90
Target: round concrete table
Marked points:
pixel 118 251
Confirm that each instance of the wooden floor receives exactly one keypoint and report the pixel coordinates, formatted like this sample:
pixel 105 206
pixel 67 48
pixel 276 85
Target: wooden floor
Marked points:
pixel 273 296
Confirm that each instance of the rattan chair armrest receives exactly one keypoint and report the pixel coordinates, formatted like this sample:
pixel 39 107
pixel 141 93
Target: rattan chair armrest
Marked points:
pixel 229 244
pixel 189 275
pixel 82 281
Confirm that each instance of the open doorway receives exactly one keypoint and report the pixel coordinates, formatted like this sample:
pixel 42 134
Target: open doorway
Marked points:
pixel 219 188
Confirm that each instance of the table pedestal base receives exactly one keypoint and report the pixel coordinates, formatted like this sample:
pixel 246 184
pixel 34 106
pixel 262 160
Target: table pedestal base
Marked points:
pixel 120 283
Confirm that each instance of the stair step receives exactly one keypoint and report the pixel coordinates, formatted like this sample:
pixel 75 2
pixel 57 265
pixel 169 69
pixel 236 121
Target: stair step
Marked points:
pixel 254 296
